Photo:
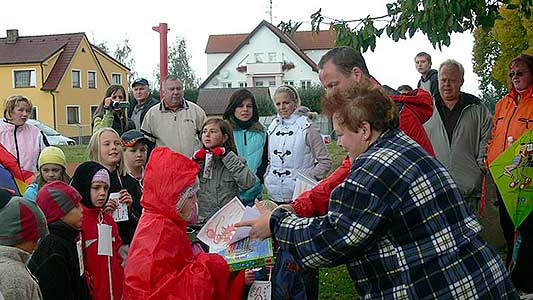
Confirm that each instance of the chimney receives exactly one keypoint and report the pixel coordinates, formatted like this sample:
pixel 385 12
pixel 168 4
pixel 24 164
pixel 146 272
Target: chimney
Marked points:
pixel 12 36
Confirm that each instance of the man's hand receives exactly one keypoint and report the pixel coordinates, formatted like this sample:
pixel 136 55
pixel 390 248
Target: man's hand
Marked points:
pixel 261 225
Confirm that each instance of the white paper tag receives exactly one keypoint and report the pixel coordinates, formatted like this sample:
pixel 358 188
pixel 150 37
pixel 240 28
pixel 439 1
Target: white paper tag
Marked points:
pixel 260 290
pixel 208 168
pixel 80 257
pixel 121 213
pixel 105 240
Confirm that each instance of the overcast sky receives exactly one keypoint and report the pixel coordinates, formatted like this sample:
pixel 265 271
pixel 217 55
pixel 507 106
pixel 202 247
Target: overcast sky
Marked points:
pixel 113 21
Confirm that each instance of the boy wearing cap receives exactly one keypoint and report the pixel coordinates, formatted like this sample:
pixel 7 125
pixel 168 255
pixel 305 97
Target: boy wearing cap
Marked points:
pixel 58 263
pixel 143 101
pixel 135 147
pixel 52 166
pixel 23 224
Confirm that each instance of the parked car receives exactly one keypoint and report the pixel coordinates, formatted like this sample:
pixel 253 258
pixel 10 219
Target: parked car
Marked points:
pixel 54 138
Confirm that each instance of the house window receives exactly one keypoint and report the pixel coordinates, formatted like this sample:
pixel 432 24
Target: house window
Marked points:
pixel 34 112
pixel 93 110
pixel 258 57
pixel 116 78
pixel 305 84
pixel 258 83
pixel 288 82
pixel 91 79
pixel 272 57
pixel 24 78
pixel 76 78
pixel 226 84
pixel 243 84
pixel 271 83
pixel 73 114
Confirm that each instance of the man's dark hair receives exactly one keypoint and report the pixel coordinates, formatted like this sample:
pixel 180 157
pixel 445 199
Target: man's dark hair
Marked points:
pixel 424 54
pixel 405 87
pixel 345 58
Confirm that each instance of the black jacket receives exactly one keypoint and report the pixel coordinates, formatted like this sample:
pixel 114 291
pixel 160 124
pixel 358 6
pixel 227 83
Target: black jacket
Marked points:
pixel 126 229
pixel 433 77
pixel 55 264
pixel 150 102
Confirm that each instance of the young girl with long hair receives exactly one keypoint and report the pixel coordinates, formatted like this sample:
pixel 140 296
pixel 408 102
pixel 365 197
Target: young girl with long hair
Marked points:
pixel 110 114
pixel 222 172
pixel 52 166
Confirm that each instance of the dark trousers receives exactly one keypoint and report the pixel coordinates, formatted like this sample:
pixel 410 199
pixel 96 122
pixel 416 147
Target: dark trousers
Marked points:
pixel 522 274
pixel 311 283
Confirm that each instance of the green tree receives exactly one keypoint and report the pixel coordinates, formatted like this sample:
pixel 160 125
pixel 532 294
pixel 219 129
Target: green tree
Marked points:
pixel 178 64
pixel 511 35
pixel 437 19
pixel 312 97
pixel 265 106
pixel 124 56
pixel 102 46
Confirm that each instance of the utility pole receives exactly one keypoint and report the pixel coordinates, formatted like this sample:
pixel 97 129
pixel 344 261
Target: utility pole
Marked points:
pixel 163 54
pixel 270 12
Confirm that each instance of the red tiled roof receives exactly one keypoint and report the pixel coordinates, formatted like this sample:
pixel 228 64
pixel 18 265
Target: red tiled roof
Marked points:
pixel 305 40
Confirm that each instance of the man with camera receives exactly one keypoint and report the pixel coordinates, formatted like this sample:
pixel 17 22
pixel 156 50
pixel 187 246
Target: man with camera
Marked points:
pixel 142 103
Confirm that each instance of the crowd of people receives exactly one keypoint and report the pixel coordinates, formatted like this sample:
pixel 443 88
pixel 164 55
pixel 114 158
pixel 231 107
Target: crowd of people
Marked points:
pixel 401 211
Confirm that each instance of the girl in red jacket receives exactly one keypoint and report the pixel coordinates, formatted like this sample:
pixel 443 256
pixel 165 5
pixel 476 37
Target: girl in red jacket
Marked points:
pixel 100 238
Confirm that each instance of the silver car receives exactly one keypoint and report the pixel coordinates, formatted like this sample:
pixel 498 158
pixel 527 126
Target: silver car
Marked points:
pixel 54 138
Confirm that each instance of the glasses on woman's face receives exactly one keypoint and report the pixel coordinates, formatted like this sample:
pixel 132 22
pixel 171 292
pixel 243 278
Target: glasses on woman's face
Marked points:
pixel 517 73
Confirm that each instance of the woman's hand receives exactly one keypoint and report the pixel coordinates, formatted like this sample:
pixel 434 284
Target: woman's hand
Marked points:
pixel 125 197
pixel 107 102
pixel 261 225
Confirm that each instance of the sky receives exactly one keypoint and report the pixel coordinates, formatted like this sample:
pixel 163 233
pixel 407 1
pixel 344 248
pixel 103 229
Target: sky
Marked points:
pixel 113 21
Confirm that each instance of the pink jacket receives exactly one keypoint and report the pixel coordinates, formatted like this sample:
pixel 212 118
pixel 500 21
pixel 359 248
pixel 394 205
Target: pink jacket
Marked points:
pixel 25 142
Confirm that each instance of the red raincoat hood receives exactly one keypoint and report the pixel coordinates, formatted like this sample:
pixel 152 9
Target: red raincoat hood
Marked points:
pixel 167 174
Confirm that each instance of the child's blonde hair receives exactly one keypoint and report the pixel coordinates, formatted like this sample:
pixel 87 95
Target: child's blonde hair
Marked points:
pixel 94 149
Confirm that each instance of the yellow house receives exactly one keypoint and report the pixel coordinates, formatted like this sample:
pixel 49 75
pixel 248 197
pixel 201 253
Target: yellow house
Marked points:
pixel 63 75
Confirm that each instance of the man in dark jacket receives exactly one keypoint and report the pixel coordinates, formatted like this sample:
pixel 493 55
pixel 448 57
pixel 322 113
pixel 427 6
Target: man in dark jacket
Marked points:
pixel 429 80
pixel 142 103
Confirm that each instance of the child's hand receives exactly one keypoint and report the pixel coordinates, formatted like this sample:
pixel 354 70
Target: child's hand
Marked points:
pixel 249 277
pixel 199 154
pixel 125 197
pixel 219 151
pixel 110 206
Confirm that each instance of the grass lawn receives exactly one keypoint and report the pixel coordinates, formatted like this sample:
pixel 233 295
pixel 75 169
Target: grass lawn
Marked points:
pixel 335 283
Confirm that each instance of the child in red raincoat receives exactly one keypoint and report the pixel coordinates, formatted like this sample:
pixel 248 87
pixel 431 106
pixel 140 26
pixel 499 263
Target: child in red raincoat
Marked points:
pixel 161 264
pixel 104 273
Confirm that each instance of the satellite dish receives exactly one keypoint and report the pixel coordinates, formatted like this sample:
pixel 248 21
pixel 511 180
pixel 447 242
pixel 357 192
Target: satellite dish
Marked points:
pixel 214 81
pixel 224 74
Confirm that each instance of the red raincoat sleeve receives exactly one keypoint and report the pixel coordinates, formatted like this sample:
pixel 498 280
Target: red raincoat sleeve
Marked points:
pixel 316 200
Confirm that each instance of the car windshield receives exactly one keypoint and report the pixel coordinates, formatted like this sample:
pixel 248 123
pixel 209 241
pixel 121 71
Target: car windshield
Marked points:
pixel 47 130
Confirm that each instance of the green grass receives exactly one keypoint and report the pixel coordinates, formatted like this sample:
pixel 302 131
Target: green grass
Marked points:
pixel 335 283
pixel 75 154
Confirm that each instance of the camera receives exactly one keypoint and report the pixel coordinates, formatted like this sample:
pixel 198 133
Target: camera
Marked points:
pixel 117 105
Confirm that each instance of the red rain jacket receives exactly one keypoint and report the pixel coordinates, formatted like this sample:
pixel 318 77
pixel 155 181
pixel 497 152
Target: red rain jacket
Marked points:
pixel 160 263
pixel 417 107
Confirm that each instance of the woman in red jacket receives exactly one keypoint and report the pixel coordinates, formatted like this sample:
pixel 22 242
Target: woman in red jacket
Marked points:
pixel 161 264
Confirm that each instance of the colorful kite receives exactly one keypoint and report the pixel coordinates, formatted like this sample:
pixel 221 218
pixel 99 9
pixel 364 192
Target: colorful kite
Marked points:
pixel 513 172
pixel 11 176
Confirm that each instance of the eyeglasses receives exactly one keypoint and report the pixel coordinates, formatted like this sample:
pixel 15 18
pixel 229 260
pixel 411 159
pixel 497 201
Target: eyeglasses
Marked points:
pixel 517 73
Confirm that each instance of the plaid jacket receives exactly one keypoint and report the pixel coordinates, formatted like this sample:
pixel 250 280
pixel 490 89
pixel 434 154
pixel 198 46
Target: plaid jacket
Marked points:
pixel 400 225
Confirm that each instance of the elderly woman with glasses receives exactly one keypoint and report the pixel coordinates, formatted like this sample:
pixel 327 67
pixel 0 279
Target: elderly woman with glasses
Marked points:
pixel 512 117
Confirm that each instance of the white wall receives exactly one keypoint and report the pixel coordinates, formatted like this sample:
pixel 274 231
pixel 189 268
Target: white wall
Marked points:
pixel 214 59
pixel 315 55
pixel 264 41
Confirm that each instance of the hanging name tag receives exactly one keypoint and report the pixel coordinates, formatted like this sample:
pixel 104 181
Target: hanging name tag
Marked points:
pixel 80 257
pixel 208 166
pixel 260 290
pixel 104 240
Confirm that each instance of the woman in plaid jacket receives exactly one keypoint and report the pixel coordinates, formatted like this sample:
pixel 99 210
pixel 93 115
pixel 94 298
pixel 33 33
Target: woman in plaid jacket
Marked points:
pixel 398 221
